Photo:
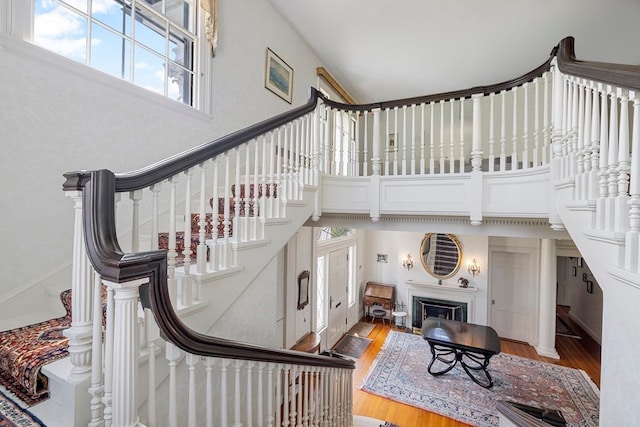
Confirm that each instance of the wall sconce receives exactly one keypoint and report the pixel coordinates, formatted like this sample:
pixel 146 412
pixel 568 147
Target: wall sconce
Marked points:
pixel 474 267
pixel 408 262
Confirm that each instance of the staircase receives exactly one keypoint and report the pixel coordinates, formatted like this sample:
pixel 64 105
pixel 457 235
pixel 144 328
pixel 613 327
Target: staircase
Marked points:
pixel 569 152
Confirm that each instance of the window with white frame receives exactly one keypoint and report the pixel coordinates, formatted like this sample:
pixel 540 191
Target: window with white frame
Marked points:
pixel 151 43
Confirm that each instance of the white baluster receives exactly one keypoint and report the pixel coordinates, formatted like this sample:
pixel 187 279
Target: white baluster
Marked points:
pixel 201 251
pixel 307 397
pixel 365 147
pixel 525 127
pixel 96 390
pixel 393 151
pixel 375 143
pixel 452 161
pixel 413 140
pixel 192 361
pixel 386 145
pixel 624 166
pixel 514 136
pixel 237 402
pixel 461 166
pixel 536 121
pixel 249 392
pixel 270 393
pixel 135 197
pixel 595 143
pixel 185 289
pixel 631 239
pixel 503 131
pixel 579 183
pixel 279 396
pixel 356 156
pixel 171 253
pixel 442 155
pixel 612 161
pixel 586 139
pixel 173 355
pixel 237 198
pixel 604 149
pixel 225 262
pixel 422 139
pixel 214 259
pixel 108 360
pixel 223 391
pixel 209 362
pixel 273 150
pixel 260 400
pixel 254 201
pixel 246 200
pixel 492 97
pixel 293 389
pixel 432 139
pixel 155 193
pixel 152 333
pixel 545 119
pixel 404 140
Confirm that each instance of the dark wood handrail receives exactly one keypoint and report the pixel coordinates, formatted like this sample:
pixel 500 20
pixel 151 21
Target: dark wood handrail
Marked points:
pixel 114 265
pixel 623 75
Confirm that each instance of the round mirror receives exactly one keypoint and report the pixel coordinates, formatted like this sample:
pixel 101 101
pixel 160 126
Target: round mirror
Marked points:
pixel 440 254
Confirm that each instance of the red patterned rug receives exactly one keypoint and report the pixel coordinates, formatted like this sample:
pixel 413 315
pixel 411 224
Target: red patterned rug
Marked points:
pixel 24 350
pixel 400 373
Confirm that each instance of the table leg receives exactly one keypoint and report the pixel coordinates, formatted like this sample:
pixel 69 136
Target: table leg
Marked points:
pixel 446 355
pixel 472 363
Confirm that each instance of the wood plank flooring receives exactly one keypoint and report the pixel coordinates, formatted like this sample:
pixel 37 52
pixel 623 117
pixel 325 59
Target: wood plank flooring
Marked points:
pixel 575 353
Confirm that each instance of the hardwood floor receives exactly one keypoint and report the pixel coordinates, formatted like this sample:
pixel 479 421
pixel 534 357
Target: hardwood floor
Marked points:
pixel 575 353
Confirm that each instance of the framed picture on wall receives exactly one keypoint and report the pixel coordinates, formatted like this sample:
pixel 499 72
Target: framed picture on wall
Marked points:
pixel 590 286
pixel 303 289
pixel 382 257
pixel 574 271
pixel 278 76
pixel 579 261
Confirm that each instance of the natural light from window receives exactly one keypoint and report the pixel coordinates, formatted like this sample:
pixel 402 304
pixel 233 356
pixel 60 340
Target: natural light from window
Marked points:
pixel 150 43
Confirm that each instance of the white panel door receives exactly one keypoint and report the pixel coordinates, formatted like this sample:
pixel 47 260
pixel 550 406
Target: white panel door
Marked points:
pixel 510 295
pixel 338 270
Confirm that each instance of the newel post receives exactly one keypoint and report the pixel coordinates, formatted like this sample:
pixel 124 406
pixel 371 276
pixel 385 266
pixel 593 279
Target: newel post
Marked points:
pixel 125 352
pixel 81 331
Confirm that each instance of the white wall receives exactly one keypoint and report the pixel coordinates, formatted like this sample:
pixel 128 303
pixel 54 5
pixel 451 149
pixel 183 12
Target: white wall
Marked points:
pixel 59 116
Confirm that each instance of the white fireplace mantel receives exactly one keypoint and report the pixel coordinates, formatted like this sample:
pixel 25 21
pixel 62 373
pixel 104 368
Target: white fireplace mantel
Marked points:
pixel 444 292
pixel 443 287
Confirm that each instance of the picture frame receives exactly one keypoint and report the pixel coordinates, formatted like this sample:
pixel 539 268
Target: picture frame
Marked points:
pixel 579 262
pixel 278 76
pixel 382 258
pixel 584 277
pixel 391 146
pixel 303 289
pixel 574 271
pixel 590 286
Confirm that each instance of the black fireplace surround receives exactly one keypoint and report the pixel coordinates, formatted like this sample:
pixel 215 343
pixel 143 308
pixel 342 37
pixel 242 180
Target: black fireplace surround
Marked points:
pixel 429 307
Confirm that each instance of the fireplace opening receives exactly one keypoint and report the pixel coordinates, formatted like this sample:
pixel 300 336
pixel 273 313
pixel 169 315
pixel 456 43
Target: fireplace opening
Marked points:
pixel 428 307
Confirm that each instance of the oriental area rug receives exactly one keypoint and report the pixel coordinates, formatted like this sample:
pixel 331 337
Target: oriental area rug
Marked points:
pixel 12 415
pixel 400 373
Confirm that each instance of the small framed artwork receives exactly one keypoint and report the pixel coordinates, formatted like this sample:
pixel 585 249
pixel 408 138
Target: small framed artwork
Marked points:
pixel 278 76
pixel 579 261
pixel 590 286
pixel 303 289
pixel 584 277
pixel 574 271
pixel 391 146
pixel 382 257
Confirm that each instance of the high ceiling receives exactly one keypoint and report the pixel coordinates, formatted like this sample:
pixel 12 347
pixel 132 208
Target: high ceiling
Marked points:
pixel 381 50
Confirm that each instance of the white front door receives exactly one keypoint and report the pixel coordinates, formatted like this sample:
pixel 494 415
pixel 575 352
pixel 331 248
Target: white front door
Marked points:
pixel 510 295
pixel 338 281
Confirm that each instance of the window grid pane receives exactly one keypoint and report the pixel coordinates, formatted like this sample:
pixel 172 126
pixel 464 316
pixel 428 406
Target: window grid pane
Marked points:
pixel 163 58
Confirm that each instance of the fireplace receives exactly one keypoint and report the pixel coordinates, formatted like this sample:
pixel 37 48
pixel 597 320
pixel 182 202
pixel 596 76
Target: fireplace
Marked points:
pixel 423 307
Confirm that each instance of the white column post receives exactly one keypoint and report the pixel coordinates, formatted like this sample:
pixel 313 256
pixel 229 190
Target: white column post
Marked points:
pixel 81 330
pixel 548 279
pixel 632 241
pixel 556 141
pixel 315 160
pixel 125 353
pixel 375 168
pixel 476 161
